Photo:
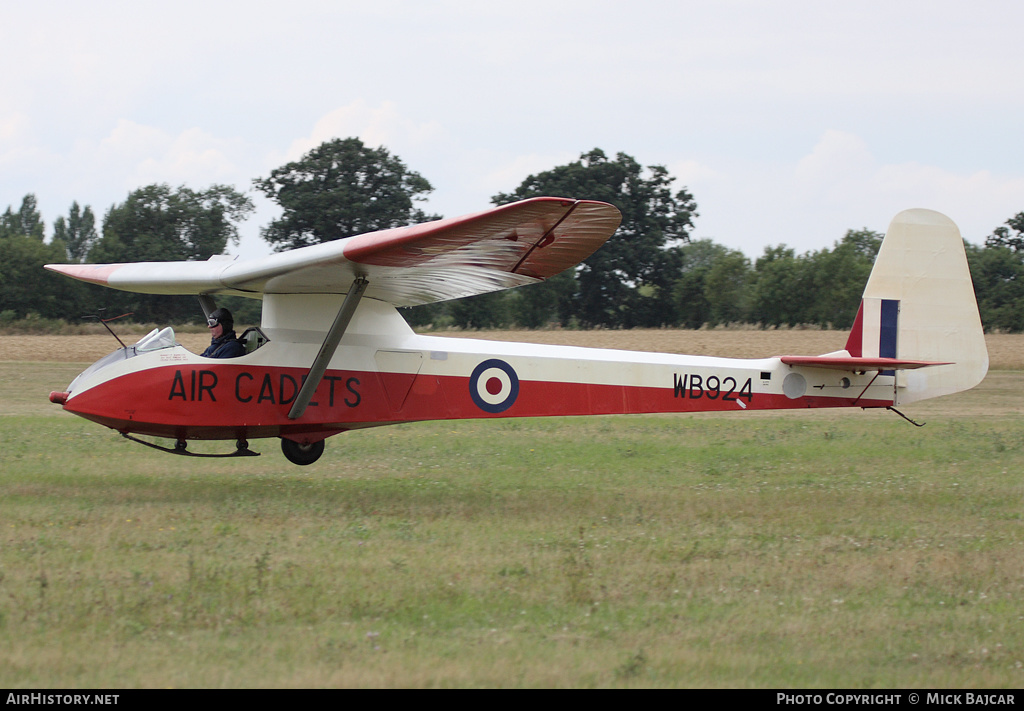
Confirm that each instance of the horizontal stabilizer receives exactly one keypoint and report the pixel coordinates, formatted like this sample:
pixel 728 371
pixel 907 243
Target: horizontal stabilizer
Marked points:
pixel 857 365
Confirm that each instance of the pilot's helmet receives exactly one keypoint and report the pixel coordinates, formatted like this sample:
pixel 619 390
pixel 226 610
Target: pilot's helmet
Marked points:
pixel 223 317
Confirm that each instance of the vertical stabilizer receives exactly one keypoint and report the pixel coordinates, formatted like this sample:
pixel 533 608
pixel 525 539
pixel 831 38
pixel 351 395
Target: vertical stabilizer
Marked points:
pixel 919 304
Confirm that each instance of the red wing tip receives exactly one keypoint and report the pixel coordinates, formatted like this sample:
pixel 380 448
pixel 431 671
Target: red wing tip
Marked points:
pixel 59 398
pixel 93 273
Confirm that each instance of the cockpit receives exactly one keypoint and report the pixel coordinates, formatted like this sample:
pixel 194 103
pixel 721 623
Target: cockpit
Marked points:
pixel 160 339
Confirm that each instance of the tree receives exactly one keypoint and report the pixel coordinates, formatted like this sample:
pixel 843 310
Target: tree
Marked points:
pixel 998 275
pixel 26 221
pixel 481 311
pixel 997 270
pixel 781 289
pixel 339 189
pixel 78 232
pixel 25 287
pixel 156 223
pixel 726 288
pixel 542 304
pixel 1001 236
pixel 707 266
pixel 628 282
pixel 839 277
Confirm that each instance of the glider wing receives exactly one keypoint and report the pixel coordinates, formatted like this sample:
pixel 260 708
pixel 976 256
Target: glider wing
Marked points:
pixel 512 245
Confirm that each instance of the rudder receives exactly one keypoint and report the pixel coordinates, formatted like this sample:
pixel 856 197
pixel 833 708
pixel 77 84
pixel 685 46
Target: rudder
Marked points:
pixel 919 304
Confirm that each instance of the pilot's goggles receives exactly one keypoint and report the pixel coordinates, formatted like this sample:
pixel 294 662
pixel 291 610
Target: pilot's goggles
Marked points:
pixel 211 322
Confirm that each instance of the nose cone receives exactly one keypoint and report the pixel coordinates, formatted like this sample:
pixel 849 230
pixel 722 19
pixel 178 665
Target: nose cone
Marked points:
pixel 59 398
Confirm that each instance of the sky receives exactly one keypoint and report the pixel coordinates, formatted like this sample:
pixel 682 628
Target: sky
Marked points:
pixel 789 122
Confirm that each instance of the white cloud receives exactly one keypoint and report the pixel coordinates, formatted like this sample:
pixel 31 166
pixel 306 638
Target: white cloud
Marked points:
pixel 842 174
pixel 840 184
pixel 510 172
pixel 692 172
pixel 381 125
pixel 838 163
pixel 99 171
pixel 978 201
pixel 133 154
pixel 12 127
pixel 193 157
pixel 16 145
pixel 129 142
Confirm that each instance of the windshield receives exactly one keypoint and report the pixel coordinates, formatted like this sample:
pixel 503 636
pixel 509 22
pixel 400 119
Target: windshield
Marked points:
pixel 155 340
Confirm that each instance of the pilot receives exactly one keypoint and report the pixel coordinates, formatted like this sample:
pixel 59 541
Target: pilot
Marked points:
pixel 224 343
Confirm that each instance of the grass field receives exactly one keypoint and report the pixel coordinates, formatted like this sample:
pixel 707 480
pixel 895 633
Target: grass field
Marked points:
pixel 818 549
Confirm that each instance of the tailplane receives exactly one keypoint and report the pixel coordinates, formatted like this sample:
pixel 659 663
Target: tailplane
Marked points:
pixel 919 304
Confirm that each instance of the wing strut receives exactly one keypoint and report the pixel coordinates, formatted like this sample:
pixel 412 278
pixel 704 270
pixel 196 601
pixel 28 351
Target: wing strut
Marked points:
pixel 319 367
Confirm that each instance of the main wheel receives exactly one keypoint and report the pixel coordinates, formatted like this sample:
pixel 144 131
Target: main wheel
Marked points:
pixel 302 454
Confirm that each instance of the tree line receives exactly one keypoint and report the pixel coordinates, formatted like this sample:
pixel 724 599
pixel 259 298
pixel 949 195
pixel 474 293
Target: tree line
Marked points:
pixel 651 273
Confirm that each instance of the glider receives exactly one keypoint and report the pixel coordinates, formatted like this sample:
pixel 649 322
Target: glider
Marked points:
pixel 332 352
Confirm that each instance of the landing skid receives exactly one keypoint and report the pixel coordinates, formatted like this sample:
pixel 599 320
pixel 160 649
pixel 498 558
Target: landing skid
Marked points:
pixel 181 445
pixel 914 423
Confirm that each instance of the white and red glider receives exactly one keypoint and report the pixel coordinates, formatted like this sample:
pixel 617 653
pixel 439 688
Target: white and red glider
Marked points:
pixel 333 354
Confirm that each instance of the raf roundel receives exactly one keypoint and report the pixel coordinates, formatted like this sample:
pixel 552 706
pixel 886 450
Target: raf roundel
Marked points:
pixel 494 386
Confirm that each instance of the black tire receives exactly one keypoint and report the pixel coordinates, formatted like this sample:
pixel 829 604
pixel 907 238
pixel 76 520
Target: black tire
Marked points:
pixel 302 454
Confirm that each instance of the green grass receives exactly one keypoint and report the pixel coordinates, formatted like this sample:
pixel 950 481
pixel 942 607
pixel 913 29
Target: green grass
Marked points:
pixel 820 549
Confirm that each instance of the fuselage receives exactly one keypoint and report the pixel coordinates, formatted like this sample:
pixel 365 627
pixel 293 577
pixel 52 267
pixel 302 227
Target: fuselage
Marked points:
pixel 384 378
